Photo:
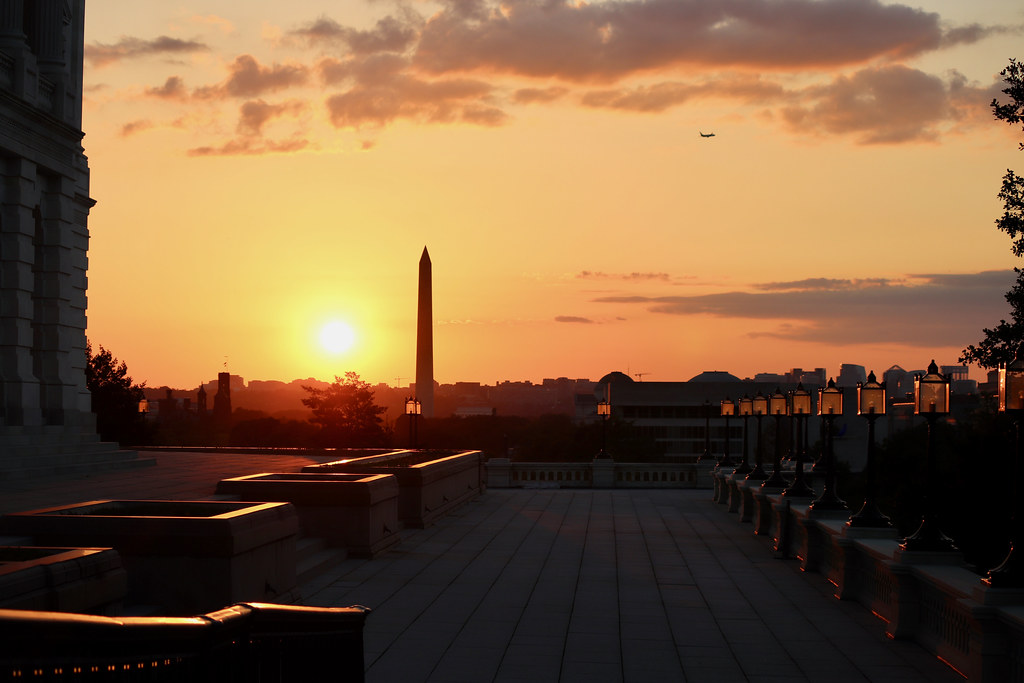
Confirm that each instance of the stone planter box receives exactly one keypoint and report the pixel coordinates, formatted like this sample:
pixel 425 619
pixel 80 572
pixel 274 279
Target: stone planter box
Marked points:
pixel 356 511
pixel 182 557
pixel 89 580
pixel 430 483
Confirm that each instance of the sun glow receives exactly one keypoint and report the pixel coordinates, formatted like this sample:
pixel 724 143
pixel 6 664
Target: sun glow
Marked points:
pixel 337 337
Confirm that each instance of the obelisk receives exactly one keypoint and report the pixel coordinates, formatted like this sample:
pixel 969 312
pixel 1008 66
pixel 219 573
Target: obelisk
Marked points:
pixel 425 340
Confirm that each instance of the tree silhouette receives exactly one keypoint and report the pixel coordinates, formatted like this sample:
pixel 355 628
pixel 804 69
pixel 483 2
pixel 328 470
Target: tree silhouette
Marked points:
pixel 1001 342
pixel 115 398
pixel 346 413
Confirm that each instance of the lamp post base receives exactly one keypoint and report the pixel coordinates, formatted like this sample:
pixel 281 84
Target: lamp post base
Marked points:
pixel 928 538
pixel 757 474
pixel 1009 574
pixel 828 501
pixel 869 517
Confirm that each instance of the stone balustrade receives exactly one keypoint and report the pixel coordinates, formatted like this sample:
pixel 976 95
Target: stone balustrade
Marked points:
pixel 928 597
pixel 503 473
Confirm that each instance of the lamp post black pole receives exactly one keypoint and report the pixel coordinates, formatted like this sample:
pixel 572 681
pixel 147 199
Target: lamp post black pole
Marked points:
pixel 869 515
pixel 744 466
pixel 1010 572
pixel 928 536
pixel 777 480
pixel 799 487
pixel 745 407
pixel 726 460
pixel 828 500
pixel 758 471
pixel 604 435
pixel 707 431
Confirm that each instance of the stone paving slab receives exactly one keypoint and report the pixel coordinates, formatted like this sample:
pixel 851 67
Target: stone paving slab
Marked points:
pixel 578 585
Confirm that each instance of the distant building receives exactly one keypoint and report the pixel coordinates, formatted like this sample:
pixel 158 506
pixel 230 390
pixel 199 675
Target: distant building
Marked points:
pixel 851 375
pixel 222 399
pixel 674 414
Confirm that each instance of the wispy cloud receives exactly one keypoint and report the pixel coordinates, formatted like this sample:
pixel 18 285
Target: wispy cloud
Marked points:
pixel 627 277
pixel 928 310
pixel 572 319
pixel 250 146
pixel 128 48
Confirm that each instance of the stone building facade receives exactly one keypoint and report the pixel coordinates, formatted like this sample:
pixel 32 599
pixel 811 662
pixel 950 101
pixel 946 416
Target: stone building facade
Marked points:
pixel 44 207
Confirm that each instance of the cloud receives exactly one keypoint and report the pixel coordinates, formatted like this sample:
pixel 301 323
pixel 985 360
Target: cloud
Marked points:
pixel 538 95
pixel 887 104
pixel 824 284
pixel 572 319
pixel 248 78
pixel 585 42
pixel 256 113
pixel 661 96
pixel 244 146
pixel 382 92
pixel 629 277
pixel 100 54
pixel 388 35
pixel 133 127
pixel 172 89
pixel 923 310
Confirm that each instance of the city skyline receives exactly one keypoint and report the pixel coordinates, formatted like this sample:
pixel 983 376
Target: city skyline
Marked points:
pixel 264 170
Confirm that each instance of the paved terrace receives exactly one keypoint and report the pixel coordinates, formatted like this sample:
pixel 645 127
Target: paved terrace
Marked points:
pixel 552 585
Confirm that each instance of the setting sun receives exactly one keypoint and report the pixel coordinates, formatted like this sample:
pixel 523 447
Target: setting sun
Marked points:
pixel 337 337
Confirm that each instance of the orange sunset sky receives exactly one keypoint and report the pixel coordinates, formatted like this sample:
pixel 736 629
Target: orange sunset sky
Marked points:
pixel 264 168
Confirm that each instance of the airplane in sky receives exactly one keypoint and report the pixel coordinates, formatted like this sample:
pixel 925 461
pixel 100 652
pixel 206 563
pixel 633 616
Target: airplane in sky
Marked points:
pixel 708 135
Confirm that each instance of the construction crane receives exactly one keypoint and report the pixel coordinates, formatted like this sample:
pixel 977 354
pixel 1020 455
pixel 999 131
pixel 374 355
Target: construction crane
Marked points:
pixel 640 375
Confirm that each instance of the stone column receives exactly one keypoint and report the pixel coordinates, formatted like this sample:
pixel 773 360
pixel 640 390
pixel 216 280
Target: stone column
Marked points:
pixel 20 400
pixel 46 26
pixel 12 45
pixel 57 323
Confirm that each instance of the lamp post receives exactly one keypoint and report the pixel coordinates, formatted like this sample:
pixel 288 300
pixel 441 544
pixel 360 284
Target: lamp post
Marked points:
pixel 707 431
pixel 778 406
pixel 759 405
pixel 830 404
pixel 746 407
pixel 800 409
pixel 728 410
pixel 604 411
pixel 931 399
pixel 1010 573
pixel 413 408
pixel 870 404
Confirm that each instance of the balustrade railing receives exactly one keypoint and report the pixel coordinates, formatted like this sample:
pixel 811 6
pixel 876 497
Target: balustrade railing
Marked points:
pixel 502 473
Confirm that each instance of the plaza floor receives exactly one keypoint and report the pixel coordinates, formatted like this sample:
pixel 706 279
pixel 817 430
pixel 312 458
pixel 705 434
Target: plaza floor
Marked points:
pixel 542 585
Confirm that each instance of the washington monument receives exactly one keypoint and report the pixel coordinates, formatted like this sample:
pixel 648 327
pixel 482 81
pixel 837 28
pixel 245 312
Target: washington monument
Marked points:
pixel 425 340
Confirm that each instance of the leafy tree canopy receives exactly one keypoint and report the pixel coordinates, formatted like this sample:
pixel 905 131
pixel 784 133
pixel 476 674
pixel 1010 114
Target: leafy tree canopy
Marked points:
pixel 1001 342
pixel 346 413
pixel 115 397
